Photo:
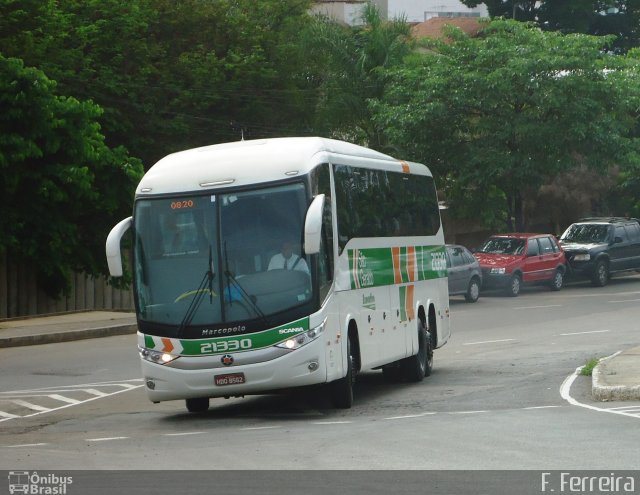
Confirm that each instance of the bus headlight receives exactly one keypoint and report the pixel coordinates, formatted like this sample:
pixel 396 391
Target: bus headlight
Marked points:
pixel 303 338
pixel 155 356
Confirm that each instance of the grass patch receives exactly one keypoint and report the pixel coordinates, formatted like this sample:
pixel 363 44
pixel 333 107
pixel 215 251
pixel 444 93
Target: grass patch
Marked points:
pixel 587 369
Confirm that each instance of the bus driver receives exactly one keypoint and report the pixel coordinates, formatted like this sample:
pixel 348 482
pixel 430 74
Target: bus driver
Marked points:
pixel 286 259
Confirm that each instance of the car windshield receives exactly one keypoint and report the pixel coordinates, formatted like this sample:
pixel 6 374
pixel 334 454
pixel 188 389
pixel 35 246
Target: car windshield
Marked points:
pixel 586 233
pixel 502 245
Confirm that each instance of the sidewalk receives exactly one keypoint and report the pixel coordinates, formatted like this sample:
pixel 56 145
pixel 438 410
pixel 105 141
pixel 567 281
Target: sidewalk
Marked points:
pixel 615 378
pixel 65 327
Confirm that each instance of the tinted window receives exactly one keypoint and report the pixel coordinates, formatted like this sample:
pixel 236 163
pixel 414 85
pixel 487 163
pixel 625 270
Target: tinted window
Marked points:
pixel 379 203
pixel 468 257
pixel 321 184
pixel 502 245
pixel 532 247
pixel 633 231
pixel 456 255
pixel 620 232
pixel 546 246
pixel 583 232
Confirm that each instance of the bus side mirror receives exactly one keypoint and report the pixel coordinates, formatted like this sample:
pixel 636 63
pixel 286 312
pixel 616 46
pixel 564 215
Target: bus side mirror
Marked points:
pixel 313 225
pixel 114 257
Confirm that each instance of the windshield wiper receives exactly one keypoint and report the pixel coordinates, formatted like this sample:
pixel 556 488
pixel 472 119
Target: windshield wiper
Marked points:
pixel 246 297
pixel 206 285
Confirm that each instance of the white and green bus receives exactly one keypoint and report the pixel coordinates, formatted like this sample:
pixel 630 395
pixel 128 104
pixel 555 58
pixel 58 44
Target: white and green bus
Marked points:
pixel 222 311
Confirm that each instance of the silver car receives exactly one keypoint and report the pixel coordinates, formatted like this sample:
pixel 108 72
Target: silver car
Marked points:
pixel 465 275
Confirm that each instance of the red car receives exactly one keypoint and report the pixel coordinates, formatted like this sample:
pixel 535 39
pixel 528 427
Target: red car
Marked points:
pixel 509 260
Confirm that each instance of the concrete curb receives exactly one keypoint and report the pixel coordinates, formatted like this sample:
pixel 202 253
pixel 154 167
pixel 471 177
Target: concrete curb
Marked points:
pixel 67 336
pixel 603 392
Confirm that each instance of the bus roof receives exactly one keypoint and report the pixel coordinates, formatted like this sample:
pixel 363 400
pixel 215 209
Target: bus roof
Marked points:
pixel 255 161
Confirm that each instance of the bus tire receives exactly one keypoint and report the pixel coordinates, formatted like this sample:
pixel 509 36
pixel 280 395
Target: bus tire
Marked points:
pixel 197 405
pixel 416 367
pixel 342 389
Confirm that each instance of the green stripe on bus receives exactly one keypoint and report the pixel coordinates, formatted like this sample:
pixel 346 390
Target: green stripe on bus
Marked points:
pixel 374 267
pixel 241 343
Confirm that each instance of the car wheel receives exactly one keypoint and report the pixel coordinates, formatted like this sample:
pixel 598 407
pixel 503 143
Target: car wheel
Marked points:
pixel 600 274
pixel 199 404
pixel 558 280
pixel 473 291
pixel 513 289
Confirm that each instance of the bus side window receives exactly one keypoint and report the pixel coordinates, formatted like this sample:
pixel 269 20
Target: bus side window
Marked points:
pixel 321 184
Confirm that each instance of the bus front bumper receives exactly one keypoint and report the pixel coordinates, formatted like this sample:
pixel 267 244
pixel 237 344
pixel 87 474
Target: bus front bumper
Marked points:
pixel 297 368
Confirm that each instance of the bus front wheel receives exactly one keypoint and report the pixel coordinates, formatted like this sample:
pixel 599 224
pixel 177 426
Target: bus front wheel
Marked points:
pixel 199 404
pixel 342 390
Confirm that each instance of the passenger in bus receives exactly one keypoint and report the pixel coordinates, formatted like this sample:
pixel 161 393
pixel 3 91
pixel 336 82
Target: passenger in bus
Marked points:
pixel 286 259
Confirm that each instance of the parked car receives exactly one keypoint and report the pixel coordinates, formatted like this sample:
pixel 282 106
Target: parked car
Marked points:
pixel 465 275
pixel 509 260
pixel 598 247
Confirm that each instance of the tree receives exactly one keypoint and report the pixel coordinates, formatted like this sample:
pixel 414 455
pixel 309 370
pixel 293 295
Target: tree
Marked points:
pixel 498 116
pixel 346 66
pixel 61 185
pixel 171 75
pixel 620 18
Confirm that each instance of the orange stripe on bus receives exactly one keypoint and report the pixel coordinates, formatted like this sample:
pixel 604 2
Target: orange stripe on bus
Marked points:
pixel 411 263
pixel 409 302
pixel 168 346
pixel 397 275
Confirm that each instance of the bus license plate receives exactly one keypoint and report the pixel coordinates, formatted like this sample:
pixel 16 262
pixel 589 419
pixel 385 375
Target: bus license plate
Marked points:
pixel 229 379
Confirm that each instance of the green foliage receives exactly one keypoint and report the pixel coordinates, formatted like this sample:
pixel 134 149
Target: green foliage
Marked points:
pixel 587 369
pixel 501 114
pixel 61 185
pixel 346 65
pixel 620 18
pixel 171 75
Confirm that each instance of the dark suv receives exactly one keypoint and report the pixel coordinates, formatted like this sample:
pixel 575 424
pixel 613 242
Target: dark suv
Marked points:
pixel 598 247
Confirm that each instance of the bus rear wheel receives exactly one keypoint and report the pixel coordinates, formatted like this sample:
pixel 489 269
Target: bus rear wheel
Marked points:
pixel 199 404
pixel 415 368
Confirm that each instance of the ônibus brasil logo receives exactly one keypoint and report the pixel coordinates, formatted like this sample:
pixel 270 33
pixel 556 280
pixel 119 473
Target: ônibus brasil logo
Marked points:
pixel 36 484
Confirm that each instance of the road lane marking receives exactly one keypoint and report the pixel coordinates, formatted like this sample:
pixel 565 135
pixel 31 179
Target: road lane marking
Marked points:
pixel 17 396
pixel 565 393
pixel 412 415
pixel 259 428
pixel 540 407
pixel 184 434
pixel 29 405
pixel 104 439
pixel 581 333
pixel 93 391
pixel 8 415
pixel 468 412
pixel 540 307
pixel 332 422
pixel 624 301
pixel 488 342
pixel 26 445
pixel 64 399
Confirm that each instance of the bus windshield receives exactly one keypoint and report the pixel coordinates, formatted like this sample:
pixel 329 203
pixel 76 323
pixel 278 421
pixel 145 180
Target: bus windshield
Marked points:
pixel 219 259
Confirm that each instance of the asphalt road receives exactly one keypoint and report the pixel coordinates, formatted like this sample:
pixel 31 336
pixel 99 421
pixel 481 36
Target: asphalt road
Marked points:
pixel 502 396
